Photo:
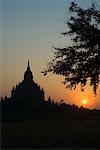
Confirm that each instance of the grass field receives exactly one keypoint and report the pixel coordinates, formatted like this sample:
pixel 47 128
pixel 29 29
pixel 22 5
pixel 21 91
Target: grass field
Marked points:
pixel 51 133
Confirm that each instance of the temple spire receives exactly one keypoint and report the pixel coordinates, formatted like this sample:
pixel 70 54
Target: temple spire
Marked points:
pixel 28 76
pixel 28 66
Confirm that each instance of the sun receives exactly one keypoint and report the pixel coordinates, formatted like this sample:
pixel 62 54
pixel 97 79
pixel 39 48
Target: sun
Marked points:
pixel 84 101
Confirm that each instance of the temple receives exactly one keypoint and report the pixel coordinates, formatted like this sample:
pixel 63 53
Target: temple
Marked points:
pixel 28 92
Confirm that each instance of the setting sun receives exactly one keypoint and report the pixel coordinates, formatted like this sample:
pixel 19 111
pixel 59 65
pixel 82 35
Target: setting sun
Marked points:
pixel 84 101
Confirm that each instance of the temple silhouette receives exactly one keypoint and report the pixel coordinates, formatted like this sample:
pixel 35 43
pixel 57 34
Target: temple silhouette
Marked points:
pixel 24 96
pixel 28 91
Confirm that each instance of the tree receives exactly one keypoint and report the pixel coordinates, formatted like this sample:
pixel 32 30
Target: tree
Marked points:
pixel 81 61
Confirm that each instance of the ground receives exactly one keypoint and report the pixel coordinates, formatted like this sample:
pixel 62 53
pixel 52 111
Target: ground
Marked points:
pixel 51 133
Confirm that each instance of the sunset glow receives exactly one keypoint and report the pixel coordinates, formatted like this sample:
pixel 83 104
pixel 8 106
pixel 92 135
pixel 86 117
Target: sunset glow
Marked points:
pixel 84 101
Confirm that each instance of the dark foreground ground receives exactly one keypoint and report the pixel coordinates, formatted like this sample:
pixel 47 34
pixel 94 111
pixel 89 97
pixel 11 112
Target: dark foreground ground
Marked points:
pixel 51 133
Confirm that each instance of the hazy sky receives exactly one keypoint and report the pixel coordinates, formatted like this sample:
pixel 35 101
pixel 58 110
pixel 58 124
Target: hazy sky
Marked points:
pixel 29 30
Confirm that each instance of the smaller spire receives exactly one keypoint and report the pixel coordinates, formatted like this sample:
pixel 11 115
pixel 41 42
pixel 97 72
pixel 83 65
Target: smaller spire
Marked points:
pixel 42 90
pixel 13 88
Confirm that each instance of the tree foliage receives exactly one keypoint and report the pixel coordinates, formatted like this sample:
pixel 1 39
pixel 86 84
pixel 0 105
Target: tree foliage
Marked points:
pixel 81 61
